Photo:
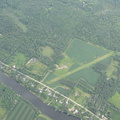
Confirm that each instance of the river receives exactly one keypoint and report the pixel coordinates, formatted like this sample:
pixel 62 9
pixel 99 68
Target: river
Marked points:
pixel 27 95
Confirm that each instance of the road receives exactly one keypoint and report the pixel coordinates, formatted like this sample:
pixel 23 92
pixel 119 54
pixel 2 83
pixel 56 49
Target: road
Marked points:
pixel 81 67
pixel 53 89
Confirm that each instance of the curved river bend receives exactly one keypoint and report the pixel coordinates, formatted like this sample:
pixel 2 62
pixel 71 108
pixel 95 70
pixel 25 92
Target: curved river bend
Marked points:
pixel 26 94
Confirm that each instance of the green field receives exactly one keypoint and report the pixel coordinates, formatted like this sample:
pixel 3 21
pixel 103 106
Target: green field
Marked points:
pixel 47 51
pixel 114 115
pixel 3 55
pixel 78 51
pixel 22 111
pixel 115 100
pixel 80 68
pixel 66 40
pixel 106 61
pixel 2 112
pixel 49 77
pixel 36 67
pixel 62 90
pixel 86 74
pixel 18 60
pixel 16 20
pixel 67 62
pixel 79 96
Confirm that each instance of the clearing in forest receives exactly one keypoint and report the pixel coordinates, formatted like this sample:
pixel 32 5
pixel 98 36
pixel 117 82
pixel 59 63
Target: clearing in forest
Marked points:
pixel 47 51
pixel 85 52
pixel 81 67
pixel 17 60
pixel 36 67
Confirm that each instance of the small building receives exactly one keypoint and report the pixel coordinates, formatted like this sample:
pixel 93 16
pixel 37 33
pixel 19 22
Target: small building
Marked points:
pixel 72 109
pixel 75 112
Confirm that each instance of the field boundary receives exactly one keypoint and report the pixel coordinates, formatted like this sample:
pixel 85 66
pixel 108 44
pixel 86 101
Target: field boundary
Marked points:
pixel 79 105
pixel 81 67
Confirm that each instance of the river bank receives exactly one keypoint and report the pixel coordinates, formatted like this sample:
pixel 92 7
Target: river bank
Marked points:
pixel 27 95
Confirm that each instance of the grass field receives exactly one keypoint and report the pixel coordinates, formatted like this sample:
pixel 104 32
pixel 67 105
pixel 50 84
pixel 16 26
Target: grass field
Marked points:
pixel 87 74
pixel 36 67
pixel 114 114
pixel 79 96
pixel 66 61
pixel 22 111
pixel 62 90
pixel 106 61
pixel 78 51
pixel 74 66
pixel 18 60
pixel 49 77
pixel 16 20
pixel 47 51
pixel 112 68
pixel 3 55
pixel 115 100
pixel 2 112
pixel 80 68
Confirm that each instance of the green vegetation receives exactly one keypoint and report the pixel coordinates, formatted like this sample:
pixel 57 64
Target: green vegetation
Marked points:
pixel 2 112
pixel 81 67
pixel 111 69
pixel 75 47
pixel 17 60
pixel 15 19
pixel 64 65
pixel 43 117
pixel 22 111
pixel 13 107
pixel 87 74
pixel 36 67
pixel 79 96
pixel 47 51
pixel 84 52
pixel 113 114
pixel 115 100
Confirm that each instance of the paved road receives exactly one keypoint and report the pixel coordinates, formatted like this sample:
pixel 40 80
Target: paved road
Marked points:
pixel 27 95
pixel 53 90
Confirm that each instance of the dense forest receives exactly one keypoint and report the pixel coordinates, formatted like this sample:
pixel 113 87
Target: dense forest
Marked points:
pixel 25 26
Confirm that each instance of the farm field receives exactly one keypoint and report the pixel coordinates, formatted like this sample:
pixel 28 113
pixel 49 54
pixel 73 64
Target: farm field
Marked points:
pixel 111 69
pixel 87 74
pixel 87 65
pixel 2 112
pixel 3 55
pixel 78 52
pixel 115 100
pixel 49 77
pixel 79 96
pixel 36 67
pixel 47 51
pixel 114 115
pixel 63 89
pixel 22 111
pixel 18 59
pixel 64 65
pixel 70 46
